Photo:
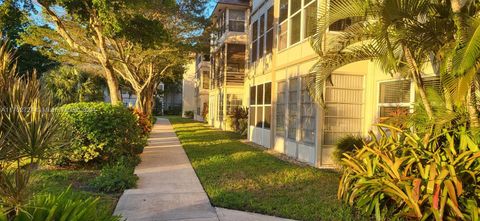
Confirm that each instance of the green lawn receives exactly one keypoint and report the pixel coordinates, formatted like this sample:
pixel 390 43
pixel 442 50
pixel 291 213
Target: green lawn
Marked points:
pixel 239 176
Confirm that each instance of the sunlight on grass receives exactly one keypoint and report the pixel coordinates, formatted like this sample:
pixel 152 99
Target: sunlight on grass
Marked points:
pixel 238 176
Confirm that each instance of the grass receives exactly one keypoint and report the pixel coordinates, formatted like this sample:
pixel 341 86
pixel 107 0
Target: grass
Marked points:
pixel 56 181
pixel 238 176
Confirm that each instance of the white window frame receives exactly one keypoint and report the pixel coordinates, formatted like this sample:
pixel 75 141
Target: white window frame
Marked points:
pixel 302 12
pixel 263 106
pixel 409 105
pixel 300 113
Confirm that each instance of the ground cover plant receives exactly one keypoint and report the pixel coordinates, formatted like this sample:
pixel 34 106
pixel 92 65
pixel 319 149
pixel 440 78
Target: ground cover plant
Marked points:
pixel 238 176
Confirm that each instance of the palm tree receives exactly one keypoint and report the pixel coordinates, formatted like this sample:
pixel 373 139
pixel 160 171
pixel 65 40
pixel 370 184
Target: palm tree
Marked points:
pixel 464 59
pixel 400 35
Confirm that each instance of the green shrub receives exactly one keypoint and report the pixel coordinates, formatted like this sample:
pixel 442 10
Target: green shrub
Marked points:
pixel 116 177
pixel 102 132
pixel 189 114
pixel 403 176
pixel 60 207
pixel 347 144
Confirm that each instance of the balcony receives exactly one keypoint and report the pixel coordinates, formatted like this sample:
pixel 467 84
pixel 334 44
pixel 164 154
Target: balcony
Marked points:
pixel 230 25
pixel 229 65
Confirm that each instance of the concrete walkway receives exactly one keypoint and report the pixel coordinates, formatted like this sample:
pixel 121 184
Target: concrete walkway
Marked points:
pixel 169 189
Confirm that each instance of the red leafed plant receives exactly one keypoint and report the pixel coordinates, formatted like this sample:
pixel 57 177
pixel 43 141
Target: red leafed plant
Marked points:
pixel 144 122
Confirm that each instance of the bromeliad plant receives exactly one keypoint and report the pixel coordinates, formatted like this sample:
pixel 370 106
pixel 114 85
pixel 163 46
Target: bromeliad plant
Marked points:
pixel 400 175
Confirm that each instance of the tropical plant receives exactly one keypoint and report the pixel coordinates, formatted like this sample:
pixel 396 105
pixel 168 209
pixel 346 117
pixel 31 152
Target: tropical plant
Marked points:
pixel 462 60
pixel 239 116
pixel 64 206
pixel 401 175
pixel 347 144
pixel 68 85
pixel 29 129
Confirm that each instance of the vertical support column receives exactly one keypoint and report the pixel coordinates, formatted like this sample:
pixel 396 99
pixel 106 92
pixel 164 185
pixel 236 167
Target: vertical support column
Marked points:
pixel 273 129
pixel 225 71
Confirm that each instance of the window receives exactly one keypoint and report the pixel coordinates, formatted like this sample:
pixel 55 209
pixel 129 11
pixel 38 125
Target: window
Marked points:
pixel 341 25
pixel 233 101
pixel 282 36
pixel 292 108
pixel 269 35
pixel 394 96
pixel 280 115
pixel 254 41
pixel 433 83
pixel 307 113
pixel 220 107
pixel 252 115
pixel 260 94
pixel 252 95
pixel 310 20
pixel 205 79
pixel 283 10
pixel 261 42
pixel 295 29
pixel 236 20
pixel 298 24
pixel 261 105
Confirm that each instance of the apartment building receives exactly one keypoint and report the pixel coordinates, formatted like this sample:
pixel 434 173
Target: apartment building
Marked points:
pixel 202 86
pixel 260 59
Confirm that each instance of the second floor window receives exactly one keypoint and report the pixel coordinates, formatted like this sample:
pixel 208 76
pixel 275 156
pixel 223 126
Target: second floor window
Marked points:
pixel 236 20
pixel 297 21
pixel 262 35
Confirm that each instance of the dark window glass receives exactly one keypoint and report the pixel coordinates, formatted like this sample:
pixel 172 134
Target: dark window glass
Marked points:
pixel 252 95
pixel 262 24
pixel 254 51
pixel 260 94
pixel 268 115
pixel 269 42
pixel 282 36
pixel 284 10
pixel 310 20
pixel 295 29
pixel 255 30
pixel 259 117
pixel 236 22
pixel 268 93
pixel 261 46
pixel 252 116
pixel 296 6
pixel 270 18
pixel 395 92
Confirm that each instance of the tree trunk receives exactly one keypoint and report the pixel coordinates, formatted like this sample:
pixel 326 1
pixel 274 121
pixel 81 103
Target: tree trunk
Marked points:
pixel 139 103
pixel 417 79
pixel 113 85
pixel 472 107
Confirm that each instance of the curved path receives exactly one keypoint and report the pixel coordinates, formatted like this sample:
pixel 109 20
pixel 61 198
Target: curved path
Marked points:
pixel 168 188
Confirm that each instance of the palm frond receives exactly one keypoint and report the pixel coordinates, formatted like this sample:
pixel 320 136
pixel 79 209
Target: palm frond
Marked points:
pixel 467 54
pixel 321 72
pixel 336 11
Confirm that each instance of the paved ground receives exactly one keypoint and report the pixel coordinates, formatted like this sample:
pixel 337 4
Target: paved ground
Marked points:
pixel 169 189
